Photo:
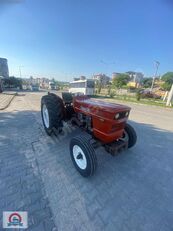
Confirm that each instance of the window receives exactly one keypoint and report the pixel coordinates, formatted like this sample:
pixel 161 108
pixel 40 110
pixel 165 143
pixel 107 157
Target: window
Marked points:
pixel 82 85
pixel 90 84
pixel 78 85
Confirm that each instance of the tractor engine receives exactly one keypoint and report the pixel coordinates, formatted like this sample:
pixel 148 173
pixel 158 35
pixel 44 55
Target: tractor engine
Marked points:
pixel 86 121
pixel 105 120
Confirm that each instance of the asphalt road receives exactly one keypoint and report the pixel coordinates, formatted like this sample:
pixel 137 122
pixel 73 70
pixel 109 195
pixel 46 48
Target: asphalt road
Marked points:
pixel 132 191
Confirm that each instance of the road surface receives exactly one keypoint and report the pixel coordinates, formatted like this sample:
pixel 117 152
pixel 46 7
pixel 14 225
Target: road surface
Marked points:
pixel 132 191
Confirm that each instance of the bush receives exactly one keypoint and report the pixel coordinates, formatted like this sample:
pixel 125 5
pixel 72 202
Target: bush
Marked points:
pixel 138 95
pixel 147 82
pixel 124 97
pixel 112 94
pixel 120 80
pixel 109 90
pixel 13 82
pixel 99 88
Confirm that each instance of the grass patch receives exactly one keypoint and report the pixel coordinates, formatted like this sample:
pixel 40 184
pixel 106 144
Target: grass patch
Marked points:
pixel 126 98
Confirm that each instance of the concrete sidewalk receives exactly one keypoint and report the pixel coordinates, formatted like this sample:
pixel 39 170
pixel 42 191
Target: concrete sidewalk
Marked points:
pixel 5 100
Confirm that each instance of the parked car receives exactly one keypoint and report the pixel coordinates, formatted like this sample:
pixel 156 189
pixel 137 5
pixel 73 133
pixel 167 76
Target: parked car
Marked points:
pixel 34 87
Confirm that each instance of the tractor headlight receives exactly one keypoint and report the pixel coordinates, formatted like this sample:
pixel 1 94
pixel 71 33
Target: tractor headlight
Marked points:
pixel 117 116
pixel 127 113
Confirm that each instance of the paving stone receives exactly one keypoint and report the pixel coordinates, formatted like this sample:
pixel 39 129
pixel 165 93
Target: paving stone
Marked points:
pixel 132 191
pixel 21 186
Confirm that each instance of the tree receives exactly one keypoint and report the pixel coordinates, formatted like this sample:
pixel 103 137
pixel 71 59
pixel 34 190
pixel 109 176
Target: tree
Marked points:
pixel 166 86
pixel 147 82
pixel 120 80
pixel 168 79
pixel 12 82
pixel 98 85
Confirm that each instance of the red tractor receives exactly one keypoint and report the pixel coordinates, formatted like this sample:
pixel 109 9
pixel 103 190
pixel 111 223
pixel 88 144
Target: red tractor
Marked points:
pixel 105 124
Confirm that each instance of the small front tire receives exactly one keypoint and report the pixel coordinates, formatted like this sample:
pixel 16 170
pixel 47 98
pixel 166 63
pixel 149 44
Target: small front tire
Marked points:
pixel 130 135
pixel 83 156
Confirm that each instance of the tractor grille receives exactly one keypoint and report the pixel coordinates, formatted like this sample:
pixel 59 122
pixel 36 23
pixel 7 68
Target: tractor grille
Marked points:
pixel 123 114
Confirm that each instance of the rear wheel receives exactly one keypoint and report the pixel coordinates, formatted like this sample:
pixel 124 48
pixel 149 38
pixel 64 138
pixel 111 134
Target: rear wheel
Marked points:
pixel 52 110
pixel 129 135
pixel 83 156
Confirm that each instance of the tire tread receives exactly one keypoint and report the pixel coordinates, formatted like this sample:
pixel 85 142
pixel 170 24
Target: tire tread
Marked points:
pixel 91 152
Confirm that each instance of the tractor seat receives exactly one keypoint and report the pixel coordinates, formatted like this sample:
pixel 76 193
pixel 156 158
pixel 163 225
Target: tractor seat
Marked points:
pixel 67 97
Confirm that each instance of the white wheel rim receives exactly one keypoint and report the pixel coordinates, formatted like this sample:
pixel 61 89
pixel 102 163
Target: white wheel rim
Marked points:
pixel 125 136
pixel 79 157
pixel 45 116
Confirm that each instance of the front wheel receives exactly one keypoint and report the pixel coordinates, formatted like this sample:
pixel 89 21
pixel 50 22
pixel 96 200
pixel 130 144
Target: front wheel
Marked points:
pixel 130 135
pixel 83 156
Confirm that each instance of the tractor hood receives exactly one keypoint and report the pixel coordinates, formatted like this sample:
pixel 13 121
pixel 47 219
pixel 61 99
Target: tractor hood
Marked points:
pixel 109 107
pixel 84 103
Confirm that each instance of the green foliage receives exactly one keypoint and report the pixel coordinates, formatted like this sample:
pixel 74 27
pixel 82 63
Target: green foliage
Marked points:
pixel 24 82
pixel 59 84
pixel 120 80
pixel 125 87
pixel 109 90
pixel 166 86
pixel 147 82
pixel 138 95
pixel 112 94
pixel 124 97
pixel 99 88
pixel 168 78
pixel 98 85
pixel 13 82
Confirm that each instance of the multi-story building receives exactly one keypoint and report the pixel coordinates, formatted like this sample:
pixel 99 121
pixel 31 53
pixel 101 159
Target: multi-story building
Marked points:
pixel 102 78
pixel 82 77
pixel 41 82
pixel 4 72
pixel 135 77
pixel 44 83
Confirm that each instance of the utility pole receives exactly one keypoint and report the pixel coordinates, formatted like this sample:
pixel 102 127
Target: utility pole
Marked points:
pixel 155 75
pixel 170 97
pixel 20 72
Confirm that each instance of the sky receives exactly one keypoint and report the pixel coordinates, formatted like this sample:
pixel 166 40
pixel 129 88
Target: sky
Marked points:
pixel 63 39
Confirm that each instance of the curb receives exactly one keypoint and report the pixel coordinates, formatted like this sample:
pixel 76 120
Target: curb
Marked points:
pixel 7 105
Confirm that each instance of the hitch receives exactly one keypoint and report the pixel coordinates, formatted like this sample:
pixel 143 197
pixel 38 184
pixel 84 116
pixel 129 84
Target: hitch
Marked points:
pixel 116 147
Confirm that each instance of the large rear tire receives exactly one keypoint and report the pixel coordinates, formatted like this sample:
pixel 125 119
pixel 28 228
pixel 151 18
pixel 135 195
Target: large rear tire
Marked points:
pixel 52 112
pixel 130 135
pixel 83 156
